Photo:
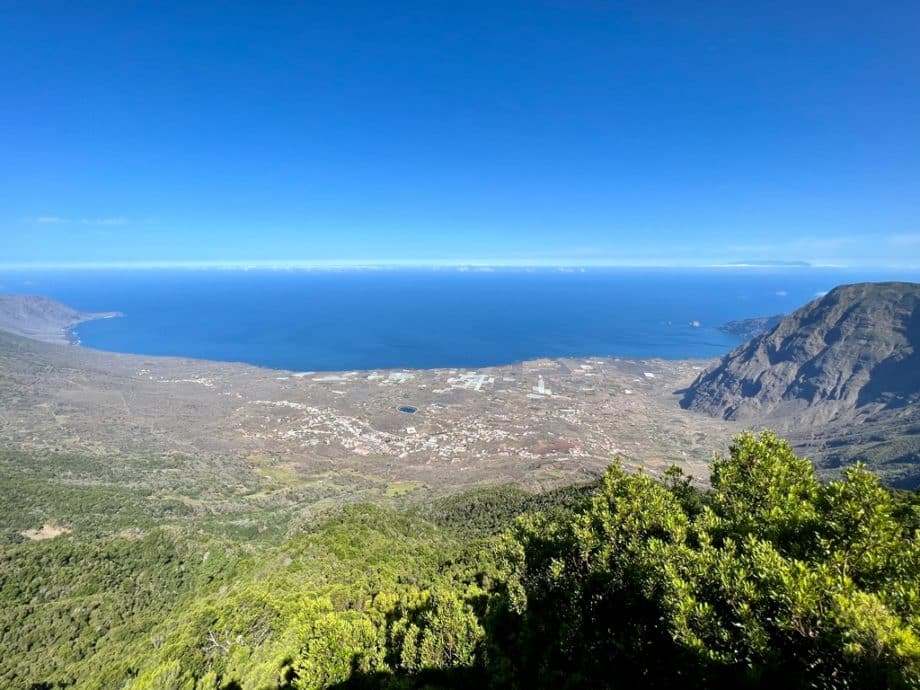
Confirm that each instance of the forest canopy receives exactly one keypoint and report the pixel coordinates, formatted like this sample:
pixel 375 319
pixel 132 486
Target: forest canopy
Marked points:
pixel 768 577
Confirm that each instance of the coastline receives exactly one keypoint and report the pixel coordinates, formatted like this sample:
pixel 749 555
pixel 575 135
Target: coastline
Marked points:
pixel 44 319
pixel 490 424
pixel 69 333
pixel 70 337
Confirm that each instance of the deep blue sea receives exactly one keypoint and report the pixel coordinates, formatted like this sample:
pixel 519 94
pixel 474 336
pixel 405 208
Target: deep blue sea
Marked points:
pixel 335 320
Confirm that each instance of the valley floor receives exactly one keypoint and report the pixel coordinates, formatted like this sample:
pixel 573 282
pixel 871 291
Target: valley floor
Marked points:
pixel 288 437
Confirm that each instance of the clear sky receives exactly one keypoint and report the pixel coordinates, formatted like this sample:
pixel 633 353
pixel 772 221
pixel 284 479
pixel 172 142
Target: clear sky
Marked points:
pixel 521 132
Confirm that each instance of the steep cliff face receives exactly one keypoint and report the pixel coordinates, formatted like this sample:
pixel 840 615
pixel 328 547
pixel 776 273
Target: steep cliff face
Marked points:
pixel 850 353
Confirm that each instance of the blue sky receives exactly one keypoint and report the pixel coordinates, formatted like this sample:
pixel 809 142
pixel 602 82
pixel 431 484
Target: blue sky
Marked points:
pixel 533 132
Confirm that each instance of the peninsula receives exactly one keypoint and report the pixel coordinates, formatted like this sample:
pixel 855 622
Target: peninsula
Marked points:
pixel 44 319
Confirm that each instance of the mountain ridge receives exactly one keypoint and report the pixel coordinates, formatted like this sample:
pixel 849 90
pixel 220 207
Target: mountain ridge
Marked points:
pixel 856 346
pixel 839 376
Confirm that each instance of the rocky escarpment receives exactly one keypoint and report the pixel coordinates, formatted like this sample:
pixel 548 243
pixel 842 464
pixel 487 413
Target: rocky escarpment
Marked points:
pixel 840 378
pixel 43 319
pixel 856 349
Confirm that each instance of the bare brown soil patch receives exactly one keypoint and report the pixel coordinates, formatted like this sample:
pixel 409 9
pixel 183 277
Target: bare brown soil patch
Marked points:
pixel 47 531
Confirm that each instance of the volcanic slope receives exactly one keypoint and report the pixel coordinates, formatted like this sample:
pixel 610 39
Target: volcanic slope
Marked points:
pixel 840 376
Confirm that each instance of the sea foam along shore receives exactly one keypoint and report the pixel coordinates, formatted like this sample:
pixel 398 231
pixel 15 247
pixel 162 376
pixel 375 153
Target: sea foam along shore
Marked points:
pixel 69 332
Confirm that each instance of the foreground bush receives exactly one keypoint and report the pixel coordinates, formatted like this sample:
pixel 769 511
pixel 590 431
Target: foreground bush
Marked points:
pixel 769 579
pixel 777 580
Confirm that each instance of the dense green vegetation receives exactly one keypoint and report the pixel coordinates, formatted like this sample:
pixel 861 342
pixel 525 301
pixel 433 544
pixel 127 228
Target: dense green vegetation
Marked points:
pixel 769 578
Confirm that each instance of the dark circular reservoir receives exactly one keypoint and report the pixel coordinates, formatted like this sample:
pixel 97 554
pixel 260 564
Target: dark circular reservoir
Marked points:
pixel 408 409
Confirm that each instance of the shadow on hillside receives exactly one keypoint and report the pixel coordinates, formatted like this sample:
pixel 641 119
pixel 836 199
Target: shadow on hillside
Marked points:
pixel 896 381
pixel 427 679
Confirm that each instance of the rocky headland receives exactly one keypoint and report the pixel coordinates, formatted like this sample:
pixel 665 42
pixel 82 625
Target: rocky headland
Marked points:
pixel 44 319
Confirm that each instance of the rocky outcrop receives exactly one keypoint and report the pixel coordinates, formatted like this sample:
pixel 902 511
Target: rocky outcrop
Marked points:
pixel 855 350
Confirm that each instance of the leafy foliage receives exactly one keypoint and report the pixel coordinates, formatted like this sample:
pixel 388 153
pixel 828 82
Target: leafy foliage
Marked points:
pixel 778 580
pixel 771 578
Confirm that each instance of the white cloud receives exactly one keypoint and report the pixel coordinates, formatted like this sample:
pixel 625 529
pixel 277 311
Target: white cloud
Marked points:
pixel 117 220
pixel 908 240
pixel 59 220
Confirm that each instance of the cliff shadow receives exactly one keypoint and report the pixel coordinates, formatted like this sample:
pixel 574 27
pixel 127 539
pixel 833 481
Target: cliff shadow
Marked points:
pixel 895 382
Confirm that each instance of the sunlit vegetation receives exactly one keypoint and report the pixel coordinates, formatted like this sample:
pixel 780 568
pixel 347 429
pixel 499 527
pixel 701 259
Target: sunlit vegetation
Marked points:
pixel 767 579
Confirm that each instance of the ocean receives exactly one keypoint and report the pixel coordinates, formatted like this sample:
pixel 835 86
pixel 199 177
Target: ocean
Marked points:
pixel 375 319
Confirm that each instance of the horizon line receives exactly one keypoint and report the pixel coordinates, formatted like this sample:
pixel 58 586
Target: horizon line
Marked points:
pixel 473 264
pixel 395 264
